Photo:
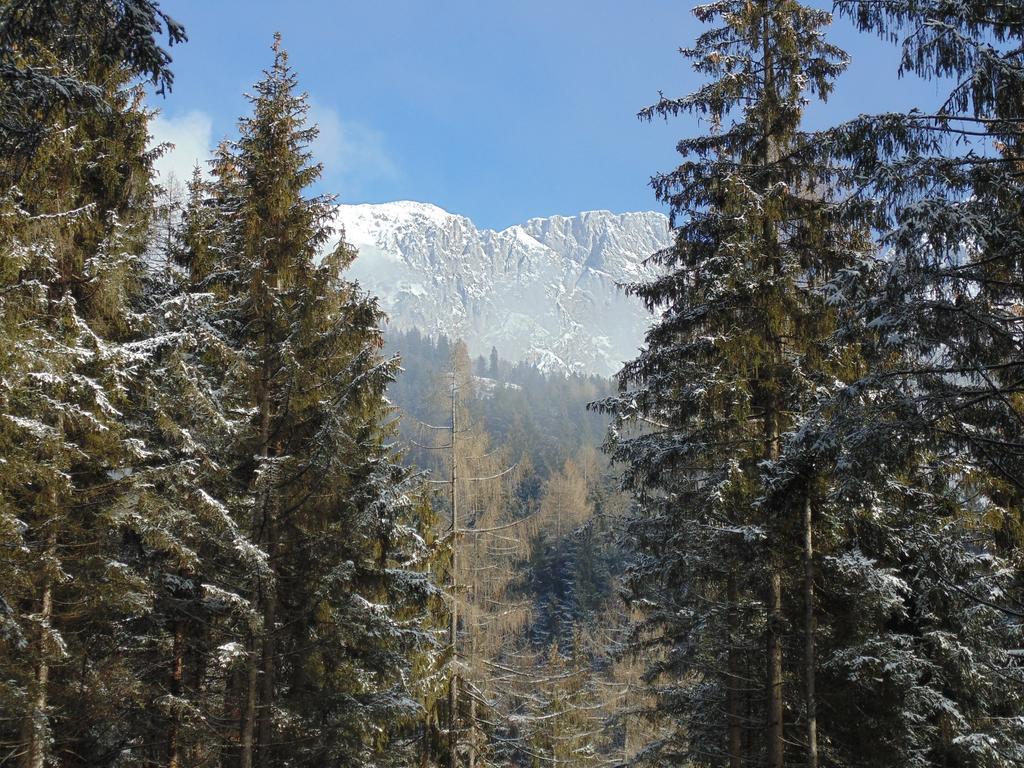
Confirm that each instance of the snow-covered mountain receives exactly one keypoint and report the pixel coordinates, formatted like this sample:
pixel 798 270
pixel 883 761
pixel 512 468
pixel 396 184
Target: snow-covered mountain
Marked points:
pixel 545 291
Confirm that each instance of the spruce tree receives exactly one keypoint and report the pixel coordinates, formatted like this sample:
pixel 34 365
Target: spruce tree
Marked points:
pixel 741 349
pixel 929 458
pixel 327 665
pixel 51 53
pixel 944 183
pixel 78 222
pixel 190 393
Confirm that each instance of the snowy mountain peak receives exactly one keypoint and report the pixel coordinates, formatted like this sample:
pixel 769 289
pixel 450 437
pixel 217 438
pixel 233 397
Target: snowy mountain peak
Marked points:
pixel 407 210
pixel 365 223
pixel 545 291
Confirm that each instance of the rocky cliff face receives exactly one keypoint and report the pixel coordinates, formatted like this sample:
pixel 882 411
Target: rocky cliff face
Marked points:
pixel 545 291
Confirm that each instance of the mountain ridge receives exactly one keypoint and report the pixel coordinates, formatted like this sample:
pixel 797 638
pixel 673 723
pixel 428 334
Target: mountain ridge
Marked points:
pixel 545 291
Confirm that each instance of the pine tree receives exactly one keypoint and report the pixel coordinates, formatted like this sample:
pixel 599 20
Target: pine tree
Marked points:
pixel 946 182
pixel 927 461
pixel 165 586
pixel 492 368
pixel 190 391
pixel 51 53
pixel 327 665
pixel 741 349
pixel 78 223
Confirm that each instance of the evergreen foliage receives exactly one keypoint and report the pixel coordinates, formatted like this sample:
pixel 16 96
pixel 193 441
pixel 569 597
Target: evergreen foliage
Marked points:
pixel 815 410
pixel 74 232
pixel 317 485
pixel 940 307
pixel 53 54
pixel 741 349
pixel 214 552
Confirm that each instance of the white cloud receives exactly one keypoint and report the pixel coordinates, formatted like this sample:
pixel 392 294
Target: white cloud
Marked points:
pixel 191 135
pixel 350 152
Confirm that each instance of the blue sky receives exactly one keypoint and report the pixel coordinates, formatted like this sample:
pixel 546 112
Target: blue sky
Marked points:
pixel 498 111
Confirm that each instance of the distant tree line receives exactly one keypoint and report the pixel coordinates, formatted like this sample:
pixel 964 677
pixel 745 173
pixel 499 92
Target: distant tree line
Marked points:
pixel 531 414
pixel 531 560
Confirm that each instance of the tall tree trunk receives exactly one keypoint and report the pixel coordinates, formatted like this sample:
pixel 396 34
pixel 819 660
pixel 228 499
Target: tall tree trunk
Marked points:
pixel 268 537
pixel 809 632
pixel 472 732
pixel 177 684
pixel 453 626
pixel 732 692
pixel 626 744
pixel 776 745
pixel 265 718
pixel 248 729
pixel 425 743
pixel 750 735
pixel 471 663
pixel 34 727
pixel 776 734
pixel 231 709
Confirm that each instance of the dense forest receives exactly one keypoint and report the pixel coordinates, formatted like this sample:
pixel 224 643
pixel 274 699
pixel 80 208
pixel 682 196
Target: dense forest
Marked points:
pixel 530 556
pixel 244 526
